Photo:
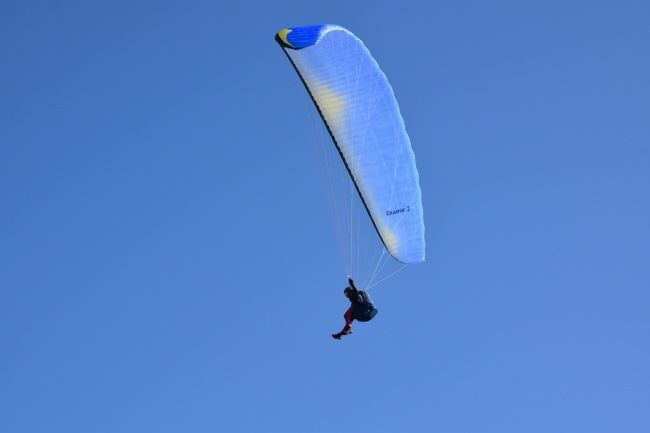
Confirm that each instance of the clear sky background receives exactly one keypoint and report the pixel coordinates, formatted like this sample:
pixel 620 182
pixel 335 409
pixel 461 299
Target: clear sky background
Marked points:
pixel 166 253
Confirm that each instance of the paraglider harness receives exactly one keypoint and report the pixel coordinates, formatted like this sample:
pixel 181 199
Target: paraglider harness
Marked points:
pixel 365 310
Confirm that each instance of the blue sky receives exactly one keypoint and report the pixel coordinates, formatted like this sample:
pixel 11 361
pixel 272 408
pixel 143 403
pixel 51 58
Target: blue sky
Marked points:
pixel 166 255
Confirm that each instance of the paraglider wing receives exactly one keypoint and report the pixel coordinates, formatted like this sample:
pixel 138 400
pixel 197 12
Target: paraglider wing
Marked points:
pixel 359 109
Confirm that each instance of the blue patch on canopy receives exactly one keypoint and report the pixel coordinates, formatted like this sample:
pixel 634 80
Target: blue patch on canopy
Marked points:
pixel 301 37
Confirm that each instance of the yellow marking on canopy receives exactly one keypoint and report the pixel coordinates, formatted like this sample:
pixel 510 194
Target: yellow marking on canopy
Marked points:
pixel 282 34
pixel 333 106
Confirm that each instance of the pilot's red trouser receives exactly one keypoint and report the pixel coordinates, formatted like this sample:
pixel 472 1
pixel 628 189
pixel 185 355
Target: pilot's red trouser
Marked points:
pixel 349 317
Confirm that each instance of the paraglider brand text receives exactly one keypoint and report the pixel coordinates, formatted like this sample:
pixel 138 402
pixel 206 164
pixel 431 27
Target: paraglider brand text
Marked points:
pixel 396 211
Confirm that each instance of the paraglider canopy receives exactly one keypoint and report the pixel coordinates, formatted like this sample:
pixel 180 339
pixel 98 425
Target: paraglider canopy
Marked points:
pixel 359 109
